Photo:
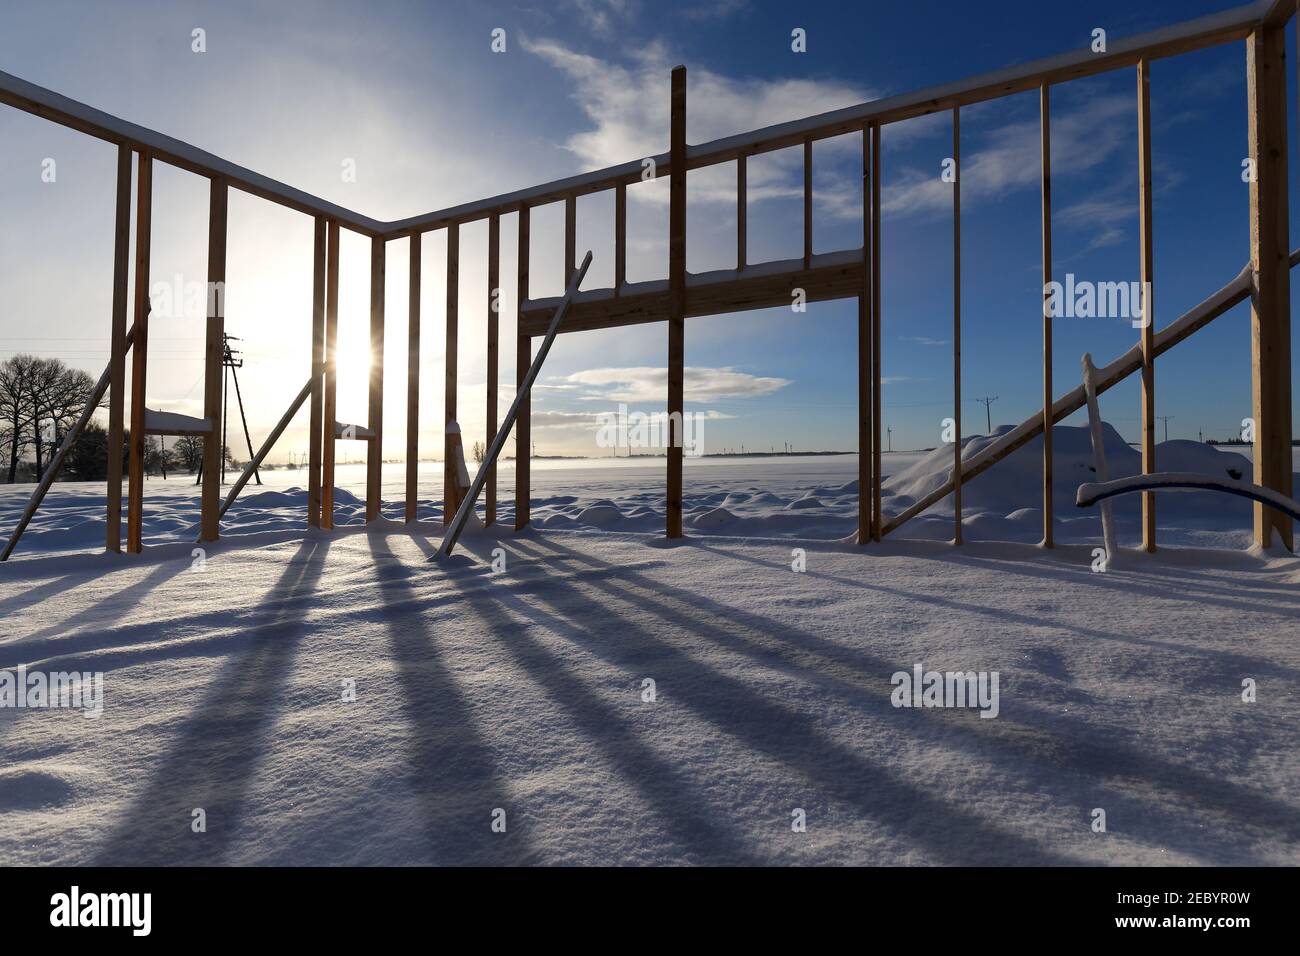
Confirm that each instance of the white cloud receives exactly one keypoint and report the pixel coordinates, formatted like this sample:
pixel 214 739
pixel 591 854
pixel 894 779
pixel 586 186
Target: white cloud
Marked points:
pixel 1081 139
pixel 628 107
pixel 647 384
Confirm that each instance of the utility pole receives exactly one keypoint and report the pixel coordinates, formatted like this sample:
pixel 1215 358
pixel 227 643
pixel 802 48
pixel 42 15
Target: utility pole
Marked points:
pixel 230 363
pixel 229 357
pixel 1165 419
pixel 889 434
pixel 988 401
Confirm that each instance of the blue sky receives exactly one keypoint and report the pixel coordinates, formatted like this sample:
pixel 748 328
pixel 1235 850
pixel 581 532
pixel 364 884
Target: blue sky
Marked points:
pixel 412 93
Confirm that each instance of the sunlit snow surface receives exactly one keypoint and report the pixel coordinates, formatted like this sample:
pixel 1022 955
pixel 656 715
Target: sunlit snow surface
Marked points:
pixel 524 690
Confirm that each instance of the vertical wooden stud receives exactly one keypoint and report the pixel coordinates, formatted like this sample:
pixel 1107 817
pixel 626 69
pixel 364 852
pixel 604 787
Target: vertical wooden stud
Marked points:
pixel 316 438
pixel 807 204
pixel 677 291
pixel 956 323
pixel 1044 104
pixel 570 237
pixel 1270 317
pixel 493 348
pixel 742 212
pixel 1147 337
pixel 450 488
pixel 878 417
pixel 413 382
pixel 620 238
pixel 866 407
pixel 523 359
pixel 139 352
pixel 331 376
pixel 213 367
pixel 375 405
pixel 117 360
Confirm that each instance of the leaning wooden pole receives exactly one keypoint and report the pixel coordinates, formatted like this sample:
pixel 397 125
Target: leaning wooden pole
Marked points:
pixel 1045 127
pixel 265 450
pixel 1270 318
pixel 213 353
pixel 413 382
pixel 1232 294
pixel 56 463
pixel 466 506
pixel 677 292
pixel 1147 338
pixel 117 361
pixel 139 355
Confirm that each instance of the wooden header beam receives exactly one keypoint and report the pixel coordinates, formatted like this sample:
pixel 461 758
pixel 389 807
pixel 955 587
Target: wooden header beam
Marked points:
pixel 63 110
pixel 765 290
pixel 1207 31
pixel 1122 52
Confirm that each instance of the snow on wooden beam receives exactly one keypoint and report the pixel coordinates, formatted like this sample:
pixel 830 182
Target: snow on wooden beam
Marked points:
pixel 173 423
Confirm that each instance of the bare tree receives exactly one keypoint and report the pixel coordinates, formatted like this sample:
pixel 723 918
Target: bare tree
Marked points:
pixel 480 452
pixel 15 407
pixel 56 398
pixel 188 453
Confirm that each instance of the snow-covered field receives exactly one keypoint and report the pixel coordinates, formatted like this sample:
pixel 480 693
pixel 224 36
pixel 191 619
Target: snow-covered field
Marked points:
pixel 524 690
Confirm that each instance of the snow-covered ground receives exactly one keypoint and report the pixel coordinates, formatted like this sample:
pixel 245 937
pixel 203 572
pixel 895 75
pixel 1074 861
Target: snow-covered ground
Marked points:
pixel 524 690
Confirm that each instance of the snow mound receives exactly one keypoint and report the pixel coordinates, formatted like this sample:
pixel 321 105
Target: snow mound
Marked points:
pixel 600 515
pixel 713 519
pixel 802 503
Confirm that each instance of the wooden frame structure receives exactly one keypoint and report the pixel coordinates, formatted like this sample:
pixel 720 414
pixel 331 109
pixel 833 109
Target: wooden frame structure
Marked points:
pixel 843 274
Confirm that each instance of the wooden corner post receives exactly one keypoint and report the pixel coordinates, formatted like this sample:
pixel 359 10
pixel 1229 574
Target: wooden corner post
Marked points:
pixel 677 292
pixel 139 353
pixel 523 359
pixel 413 382
pixel 213 353
pixel 1270 316
pixel 315 437
pixel 117 360
pixel 375 405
